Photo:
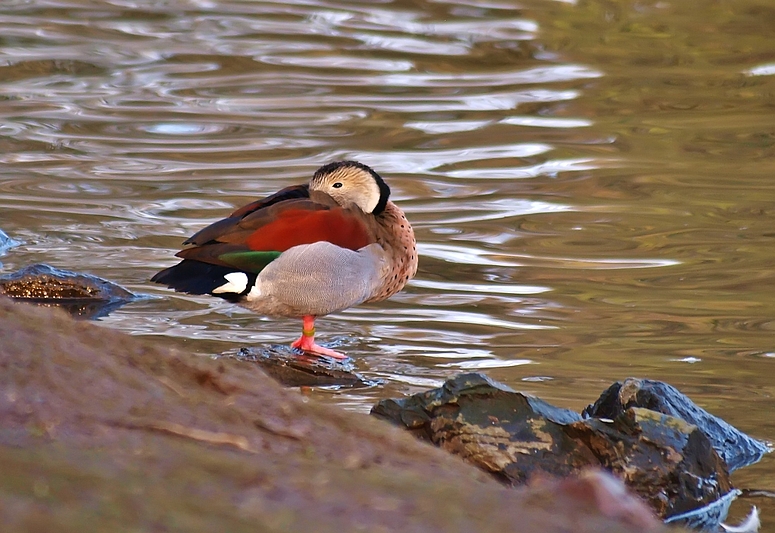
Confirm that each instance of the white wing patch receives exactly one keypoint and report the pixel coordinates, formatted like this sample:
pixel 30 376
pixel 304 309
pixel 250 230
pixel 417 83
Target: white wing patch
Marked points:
pixel 237 283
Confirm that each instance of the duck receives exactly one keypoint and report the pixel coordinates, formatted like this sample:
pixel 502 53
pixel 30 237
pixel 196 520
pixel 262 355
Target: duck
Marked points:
pixel 305 251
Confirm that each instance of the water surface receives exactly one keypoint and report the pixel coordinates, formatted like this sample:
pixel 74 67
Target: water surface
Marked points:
pixel 591 183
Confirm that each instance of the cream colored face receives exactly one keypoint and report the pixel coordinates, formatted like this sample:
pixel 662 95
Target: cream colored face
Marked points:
pixel 348 186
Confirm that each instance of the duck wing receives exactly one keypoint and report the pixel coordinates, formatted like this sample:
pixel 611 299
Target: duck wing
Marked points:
pixel 255 235
pixel 217 229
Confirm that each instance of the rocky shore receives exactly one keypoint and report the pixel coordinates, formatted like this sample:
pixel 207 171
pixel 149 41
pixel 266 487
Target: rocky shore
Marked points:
pixel 106 432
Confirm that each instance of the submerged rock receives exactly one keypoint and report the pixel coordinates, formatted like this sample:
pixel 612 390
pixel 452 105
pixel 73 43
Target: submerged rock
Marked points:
pixel 81 295
pixel 6 242
pixel 668 461
pixel 294 369
pixel 736 448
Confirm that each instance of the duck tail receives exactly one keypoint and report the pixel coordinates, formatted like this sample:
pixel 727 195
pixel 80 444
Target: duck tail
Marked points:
pixel 195 277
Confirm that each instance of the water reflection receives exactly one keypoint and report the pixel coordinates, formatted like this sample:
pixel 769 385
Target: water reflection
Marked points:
pixel 590 184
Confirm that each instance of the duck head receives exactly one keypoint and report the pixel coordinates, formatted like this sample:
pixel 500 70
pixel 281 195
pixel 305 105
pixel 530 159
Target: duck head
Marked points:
pixel 352 183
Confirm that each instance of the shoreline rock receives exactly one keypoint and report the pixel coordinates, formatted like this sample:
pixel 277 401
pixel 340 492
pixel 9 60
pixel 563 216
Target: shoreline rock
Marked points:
pixel 670 462
pixel 102 431
pixel 735 447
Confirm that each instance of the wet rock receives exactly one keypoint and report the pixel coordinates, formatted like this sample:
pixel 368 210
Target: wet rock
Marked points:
pixel 735 448
pixel 507 433
pixel 293 369
pixel 81 295
pixel 6 242
pixel 102 431
pixel 668 461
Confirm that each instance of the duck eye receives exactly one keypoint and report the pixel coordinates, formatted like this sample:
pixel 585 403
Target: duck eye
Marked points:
pixel 337 185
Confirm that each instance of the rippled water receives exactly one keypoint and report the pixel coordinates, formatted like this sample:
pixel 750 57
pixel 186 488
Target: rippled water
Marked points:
pixel 592 184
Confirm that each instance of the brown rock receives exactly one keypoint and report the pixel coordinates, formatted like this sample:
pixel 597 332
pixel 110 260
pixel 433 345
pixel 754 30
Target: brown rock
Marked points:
pixel 81 295
pixel 100 431
pixel 666 460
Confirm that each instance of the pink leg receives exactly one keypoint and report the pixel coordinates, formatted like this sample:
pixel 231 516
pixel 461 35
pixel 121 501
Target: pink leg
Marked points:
pixel 306 342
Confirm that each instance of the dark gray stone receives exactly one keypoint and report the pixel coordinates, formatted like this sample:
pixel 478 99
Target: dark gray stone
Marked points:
pixel 293 369
pixel 668 461
pixel 735 448
pixel 507 433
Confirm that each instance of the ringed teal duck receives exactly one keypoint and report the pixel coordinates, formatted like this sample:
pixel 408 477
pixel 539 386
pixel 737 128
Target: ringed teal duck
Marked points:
pixel 305 251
